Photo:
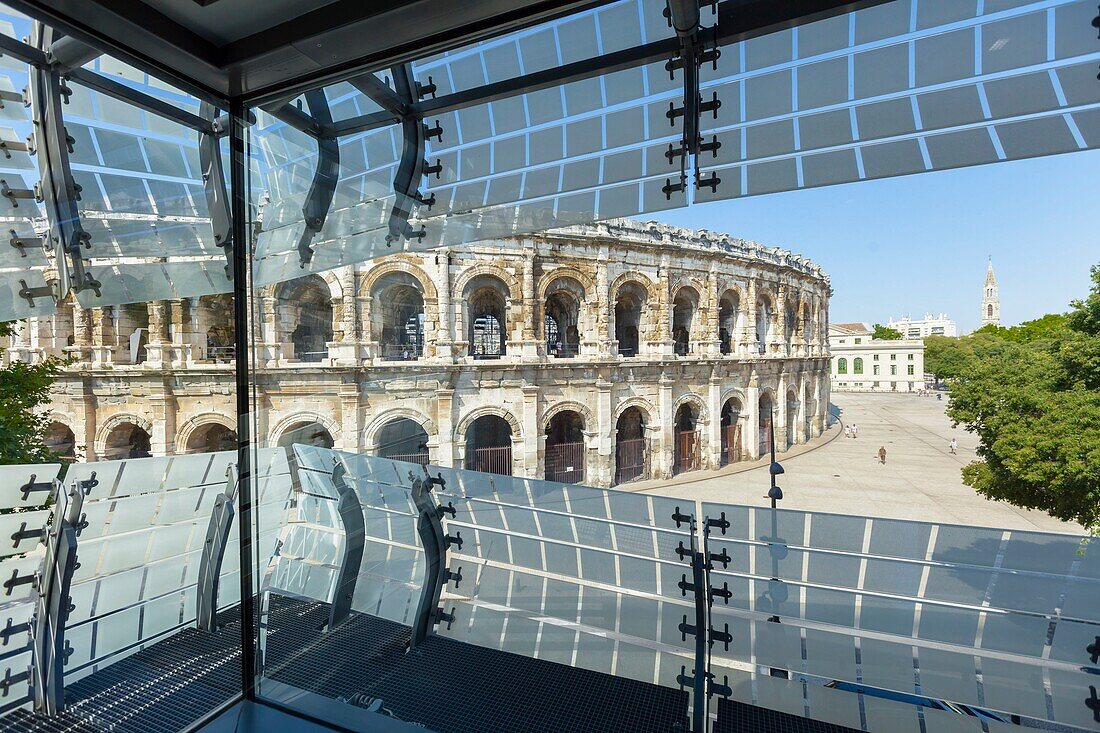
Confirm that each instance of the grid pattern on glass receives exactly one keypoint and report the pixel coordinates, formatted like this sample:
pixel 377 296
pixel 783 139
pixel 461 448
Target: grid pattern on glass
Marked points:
pixel 893 603
pixel 23 261
pixel 141 550
pixel 868 95
pixel 582 576
pixel 312 546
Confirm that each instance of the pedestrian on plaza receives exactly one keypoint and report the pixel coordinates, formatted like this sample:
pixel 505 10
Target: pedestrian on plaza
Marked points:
pixel 882 454
pixel 847 431
pixel 855 430
pixel 954 446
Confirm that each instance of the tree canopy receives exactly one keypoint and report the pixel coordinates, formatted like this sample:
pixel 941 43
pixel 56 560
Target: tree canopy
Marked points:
pixel 885 333
pixel 24 390
pixel 1031 393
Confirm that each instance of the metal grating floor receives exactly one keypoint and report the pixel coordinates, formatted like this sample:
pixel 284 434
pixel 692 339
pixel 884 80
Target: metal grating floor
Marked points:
pixel 738 717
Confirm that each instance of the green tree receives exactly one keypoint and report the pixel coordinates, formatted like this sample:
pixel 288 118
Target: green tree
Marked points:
pixel 885 333
pixel 1032 396
pixel 947 357
pixel 24 390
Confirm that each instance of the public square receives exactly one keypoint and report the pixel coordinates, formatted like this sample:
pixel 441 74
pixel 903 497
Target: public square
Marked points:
pixel 920 480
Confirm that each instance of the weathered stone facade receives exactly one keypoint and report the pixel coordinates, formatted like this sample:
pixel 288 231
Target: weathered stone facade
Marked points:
pixel 704 319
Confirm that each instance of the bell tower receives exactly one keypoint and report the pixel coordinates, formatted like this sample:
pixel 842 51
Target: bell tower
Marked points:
pixel 991 301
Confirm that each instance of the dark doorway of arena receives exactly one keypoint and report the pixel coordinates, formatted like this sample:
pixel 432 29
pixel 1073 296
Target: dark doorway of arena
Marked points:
pixel 403 440
pixel 631 459
pixel 489 445
pixel 127 441
pixel 686 438
pixel 402 322
pixel 212 438
pixel 791 415
pixel 565 448
pixel 731 431
pixel 767 409
pixel 486 299
pixel 683 312
pixel 628 318
pixel 306 433
pixel 61 441
pixel 310 302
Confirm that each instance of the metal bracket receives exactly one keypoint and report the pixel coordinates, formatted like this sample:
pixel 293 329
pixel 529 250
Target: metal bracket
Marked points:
pixel 14 194
pixel 50 648
pixel 28 293
pixel 21 243
pixel 6 146
pixel 321 191
pixel 32 486
pixel 213 182
pixel 721 523
pixel 213 553
pixel 351 559
pixel 429 526
pixel 1094 650
pixel 412 167
pixel 16 579
pixel 11 630
pixel 1093 704
pixel 12 679
pixel 38 535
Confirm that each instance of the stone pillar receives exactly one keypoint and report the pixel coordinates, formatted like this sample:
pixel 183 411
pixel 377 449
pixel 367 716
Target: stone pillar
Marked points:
pixel 662 465
pixel 103 334
pixel 709 344
pixel 19 348
pixel 162 442
pixel 781 416
pixel 751 434
pixel 345 345
pixel 714 427
pixel 604 347
pixel 604 467
pixel 444 420
pixel 81 350
pixel 529 342
pixel 661 311
pixel 182 315
pixel 159 349
pixel 800 416
pixel 779 345
pixel 444 333
pixel 748 345
pixel 821 394
pixel 85 428
pixel 531 441
pixel 350 429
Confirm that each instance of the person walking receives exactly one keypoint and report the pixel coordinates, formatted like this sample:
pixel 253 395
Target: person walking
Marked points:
pixel 954 447
pixel 855 430
pixel 847 431
pixel 882 454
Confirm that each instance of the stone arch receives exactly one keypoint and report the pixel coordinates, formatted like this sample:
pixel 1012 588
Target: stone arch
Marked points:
pixel 578 407
pixel 308 314
pixel 685 314
pixel 464 424
pixel 641 403
pixel 114 421
pixel 370 433
pixel 566 303
pixel 190 426
pixel 549 277
pixel 696 401
pixel 734 392
pixel 401 265
pixel 633 276
pixel 60 436
pixel 511 284
pixel 286 423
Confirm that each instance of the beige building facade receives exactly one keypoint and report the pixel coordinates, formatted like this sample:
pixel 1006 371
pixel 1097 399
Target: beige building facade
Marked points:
pixel 596 354
pixel 860 363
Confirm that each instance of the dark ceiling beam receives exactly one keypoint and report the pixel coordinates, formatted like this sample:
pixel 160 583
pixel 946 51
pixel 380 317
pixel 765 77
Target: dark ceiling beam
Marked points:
pixel 300 120
pixel 362 123
pixel 740 20
pixel 380 94
pixel 112 88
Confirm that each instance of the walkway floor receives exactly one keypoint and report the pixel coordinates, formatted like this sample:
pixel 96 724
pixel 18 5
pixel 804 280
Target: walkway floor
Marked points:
pixel 921 479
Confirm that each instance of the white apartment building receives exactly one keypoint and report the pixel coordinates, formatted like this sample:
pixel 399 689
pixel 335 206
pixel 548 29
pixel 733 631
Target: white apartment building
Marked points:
pixel 860 363
pixel 930 325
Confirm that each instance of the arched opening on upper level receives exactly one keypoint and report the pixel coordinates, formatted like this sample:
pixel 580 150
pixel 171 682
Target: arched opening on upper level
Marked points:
pixel 403 439
pixel 489 445
pixel 132 331
pixel 790 418
pixel 631 454
pixel 731 431
pixel 728 307
pixel 629 303
pixel 306 311
pixel 127 440
pixel 306 433
pixel 764 323
pixel 565 447
pixel 686 438
pixel 211 438
pixel 486 299
pixel 215 319
pixel 60 441
pixel 561 317
pixel 684 306
pixel 397 309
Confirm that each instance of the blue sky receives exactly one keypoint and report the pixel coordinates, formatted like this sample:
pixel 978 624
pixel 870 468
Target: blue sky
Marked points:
pixel 920 243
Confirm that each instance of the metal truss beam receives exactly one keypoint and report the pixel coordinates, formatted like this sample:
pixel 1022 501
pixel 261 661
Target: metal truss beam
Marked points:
pixel 429 526
pixel 381 94
pixel 406 182
pixel 363 123
pixel 112 88
pixel 351 517
pixel 213 182
pixel 325 177
pixel 300 120
pixel 213 553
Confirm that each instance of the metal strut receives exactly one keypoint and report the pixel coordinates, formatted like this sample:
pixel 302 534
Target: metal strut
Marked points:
pixel 351 516
pixel 58 190
pixel 429 525
pixel 49 650
pixel 213 182
pixel 325 177
pixel 406 182
pixel 213 552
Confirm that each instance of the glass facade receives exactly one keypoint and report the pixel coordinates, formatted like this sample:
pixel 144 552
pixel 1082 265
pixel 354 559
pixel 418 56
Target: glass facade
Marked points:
pixel 350 388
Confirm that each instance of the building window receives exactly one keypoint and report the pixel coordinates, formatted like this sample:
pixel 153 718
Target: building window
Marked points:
pixel 893 370
pixel 910 357
pixel 910 370
pixel 893 357
pixel 859 341
pixel 842 366
pixel 857 366
pixel 876 370
pixel 875 357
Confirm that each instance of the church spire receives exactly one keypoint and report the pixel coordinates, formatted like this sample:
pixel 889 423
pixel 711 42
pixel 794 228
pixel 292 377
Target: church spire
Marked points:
pixel 991 301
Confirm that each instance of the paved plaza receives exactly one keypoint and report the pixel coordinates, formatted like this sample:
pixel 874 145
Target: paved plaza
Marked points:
pixel 920 480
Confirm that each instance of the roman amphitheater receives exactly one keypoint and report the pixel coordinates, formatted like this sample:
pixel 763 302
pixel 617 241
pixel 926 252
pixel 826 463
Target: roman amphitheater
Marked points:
pixel 597 354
